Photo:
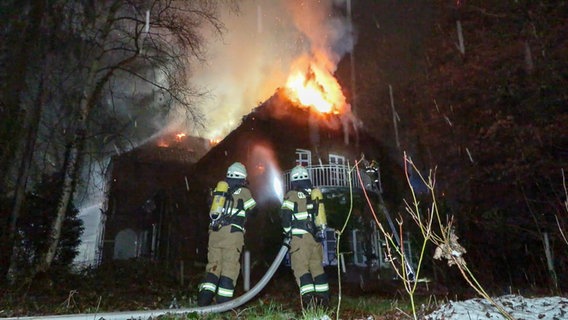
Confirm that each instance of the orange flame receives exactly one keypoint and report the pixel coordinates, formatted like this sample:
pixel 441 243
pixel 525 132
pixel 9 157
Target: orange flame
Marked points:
pixel 162 144
pixel 167 140
pixel 214 141
pixel 180 136
pixel 316 87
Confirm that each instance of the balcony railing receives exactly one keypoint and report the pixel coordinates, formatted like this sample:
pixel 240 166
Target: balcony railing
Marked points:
pixel 332 176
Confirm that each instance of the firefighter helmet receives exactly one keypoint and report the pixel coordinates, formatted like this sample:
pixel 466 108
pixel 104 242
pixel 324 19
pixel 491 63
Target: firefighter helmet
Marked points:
pixel 237 171
pixel 299 173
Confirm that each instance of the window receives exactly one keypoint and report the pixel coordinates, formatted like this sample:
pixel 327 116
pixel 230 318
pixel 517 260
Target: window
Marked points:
pixel 366 249
pixel 408 251
pixel 383 252
pixel 357 245
pixel 337 170
pixel 330 248
pixel 303 157
pixel 336 159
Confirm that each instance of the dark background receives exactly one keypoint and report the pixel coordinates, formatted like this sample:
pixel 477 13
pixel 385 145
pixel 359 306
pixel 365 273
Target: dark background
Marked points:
pixel 490 122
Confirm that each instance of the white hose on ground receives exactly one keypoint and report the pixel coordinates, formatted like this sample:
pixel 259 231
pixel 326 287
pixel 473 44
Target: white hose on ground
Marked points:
pixel 147 314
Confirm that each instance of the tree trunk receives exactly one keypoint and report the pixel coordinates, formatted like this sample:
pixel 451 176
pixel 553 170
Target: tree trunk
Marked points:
pixel 70 171
pixel 12 87
pixel 12 90
pixel 91 93
pixel 31 126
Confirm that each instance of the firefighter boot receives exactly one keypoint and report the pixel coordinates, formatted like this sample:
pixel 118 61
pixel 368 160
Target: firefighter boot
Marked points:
pixel 307 290
pixel 225 290
pixel 207 290
pixel 321 290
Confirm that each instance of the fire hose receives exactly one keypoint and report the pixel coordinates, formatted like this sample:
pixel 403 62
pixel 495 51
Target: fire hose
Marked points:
pixel 151 314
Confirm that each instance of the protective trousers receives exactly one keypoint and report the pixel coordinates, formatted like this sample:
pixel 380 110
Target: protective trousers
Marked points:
pixel 223 267
pixel 306 257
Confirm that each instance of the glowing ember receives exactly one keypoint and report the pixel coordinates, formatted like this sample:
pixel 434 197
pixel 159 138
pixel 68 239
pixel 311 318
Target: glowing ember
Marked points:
pixel 162 144
pixel 214 141
pixel 180 136
pixel 167 141
pixel 315 88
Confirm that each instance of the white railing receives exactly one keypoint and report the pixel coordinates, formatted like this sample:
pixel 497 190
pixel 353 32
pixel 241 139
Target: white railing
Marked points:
pixel 331 175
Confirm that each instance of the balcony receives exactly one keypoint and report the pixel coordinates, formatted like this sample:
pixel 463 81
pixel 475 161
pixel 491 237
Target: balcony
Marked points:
pixel 339 176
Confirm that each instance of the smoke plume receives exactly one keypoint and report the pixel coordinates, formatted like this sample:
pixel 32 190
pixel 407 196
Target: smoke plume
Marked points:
pixel 257 53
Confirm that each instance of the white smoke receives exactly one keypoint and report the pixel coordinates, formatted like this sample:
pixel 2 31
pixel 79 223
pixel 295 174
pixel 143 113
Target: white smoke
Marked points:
pixel 255 56
pixel 243 69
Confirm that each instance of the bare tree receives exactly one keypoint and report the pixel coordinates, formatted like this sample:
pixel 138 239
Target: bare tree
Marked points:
pixel 19 125
pixel 100 45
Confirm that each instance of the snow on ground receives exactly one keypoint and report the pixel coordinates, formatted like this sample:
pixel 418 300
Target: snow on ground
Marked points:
pixel 520 308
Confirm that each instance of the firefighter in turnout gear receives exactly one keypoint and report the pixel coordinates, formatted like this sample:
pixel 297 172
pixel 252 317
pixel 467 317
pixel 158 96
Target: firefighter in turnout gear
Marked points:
pixel 303 221
pixel 232 201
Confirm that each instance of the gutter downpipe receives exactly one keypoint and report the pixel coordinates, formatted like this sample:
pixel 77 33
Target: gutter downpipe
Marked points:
pixel 151 314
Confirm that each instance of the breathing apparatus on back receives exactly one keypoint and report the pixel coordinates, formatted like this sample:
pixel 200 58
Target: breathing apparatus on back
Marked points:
pixel 320 217
pixel 222 195
pixel 219 200
pixel 300 180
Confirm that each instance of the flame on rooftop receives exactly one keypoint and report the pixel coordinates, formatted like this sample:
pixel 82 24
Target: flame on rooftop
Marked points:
pixel 312 85
pixel 214 141
pixel 180 136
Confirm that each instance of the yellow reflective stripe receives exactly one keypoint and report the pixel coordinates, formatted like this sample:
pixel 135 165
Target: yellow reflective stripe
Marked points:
pixel 299 231
pixel 287 229
pixel 225 292
pixel 321 287
pixel 208 286
pixel 310 206
pixel 306 289
pixel 237 226
pixel 301 215
pixel 237 212
pixel 287 204
pixel 249 204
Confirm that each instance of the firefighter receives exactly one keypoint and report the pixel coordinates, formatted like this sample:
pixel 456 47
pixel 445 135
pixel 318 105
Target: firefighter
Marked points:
pixel 303 221
pixel 232 202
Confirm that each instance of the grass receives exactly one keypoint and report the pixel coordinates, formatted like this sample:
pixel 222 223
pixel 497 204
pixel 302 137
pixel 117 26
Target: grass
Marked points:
pixel 279 302
pixel 122 290
pixel 370 307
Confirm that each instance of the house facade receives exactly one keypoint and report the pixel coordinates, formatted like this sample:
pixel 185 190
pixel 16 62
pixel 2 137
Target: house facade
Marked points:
pixel 146 216
pixel 169 222
pixel 278 135
pixel 337 178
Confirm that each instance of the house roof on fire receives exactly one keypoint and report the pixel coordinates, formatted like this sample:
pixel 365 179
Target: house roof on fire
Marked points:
pixel 272 132
pixel 267 137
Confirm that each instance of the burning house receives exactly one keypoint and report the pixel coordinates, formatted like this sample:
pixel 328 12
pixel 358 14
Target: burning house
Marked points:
pixel 160 196
pixel 280 134
pixel 164 213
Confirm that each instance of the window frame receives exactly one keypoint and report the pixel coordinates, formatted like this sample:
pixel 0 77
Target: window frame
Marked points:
pixel 301 160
